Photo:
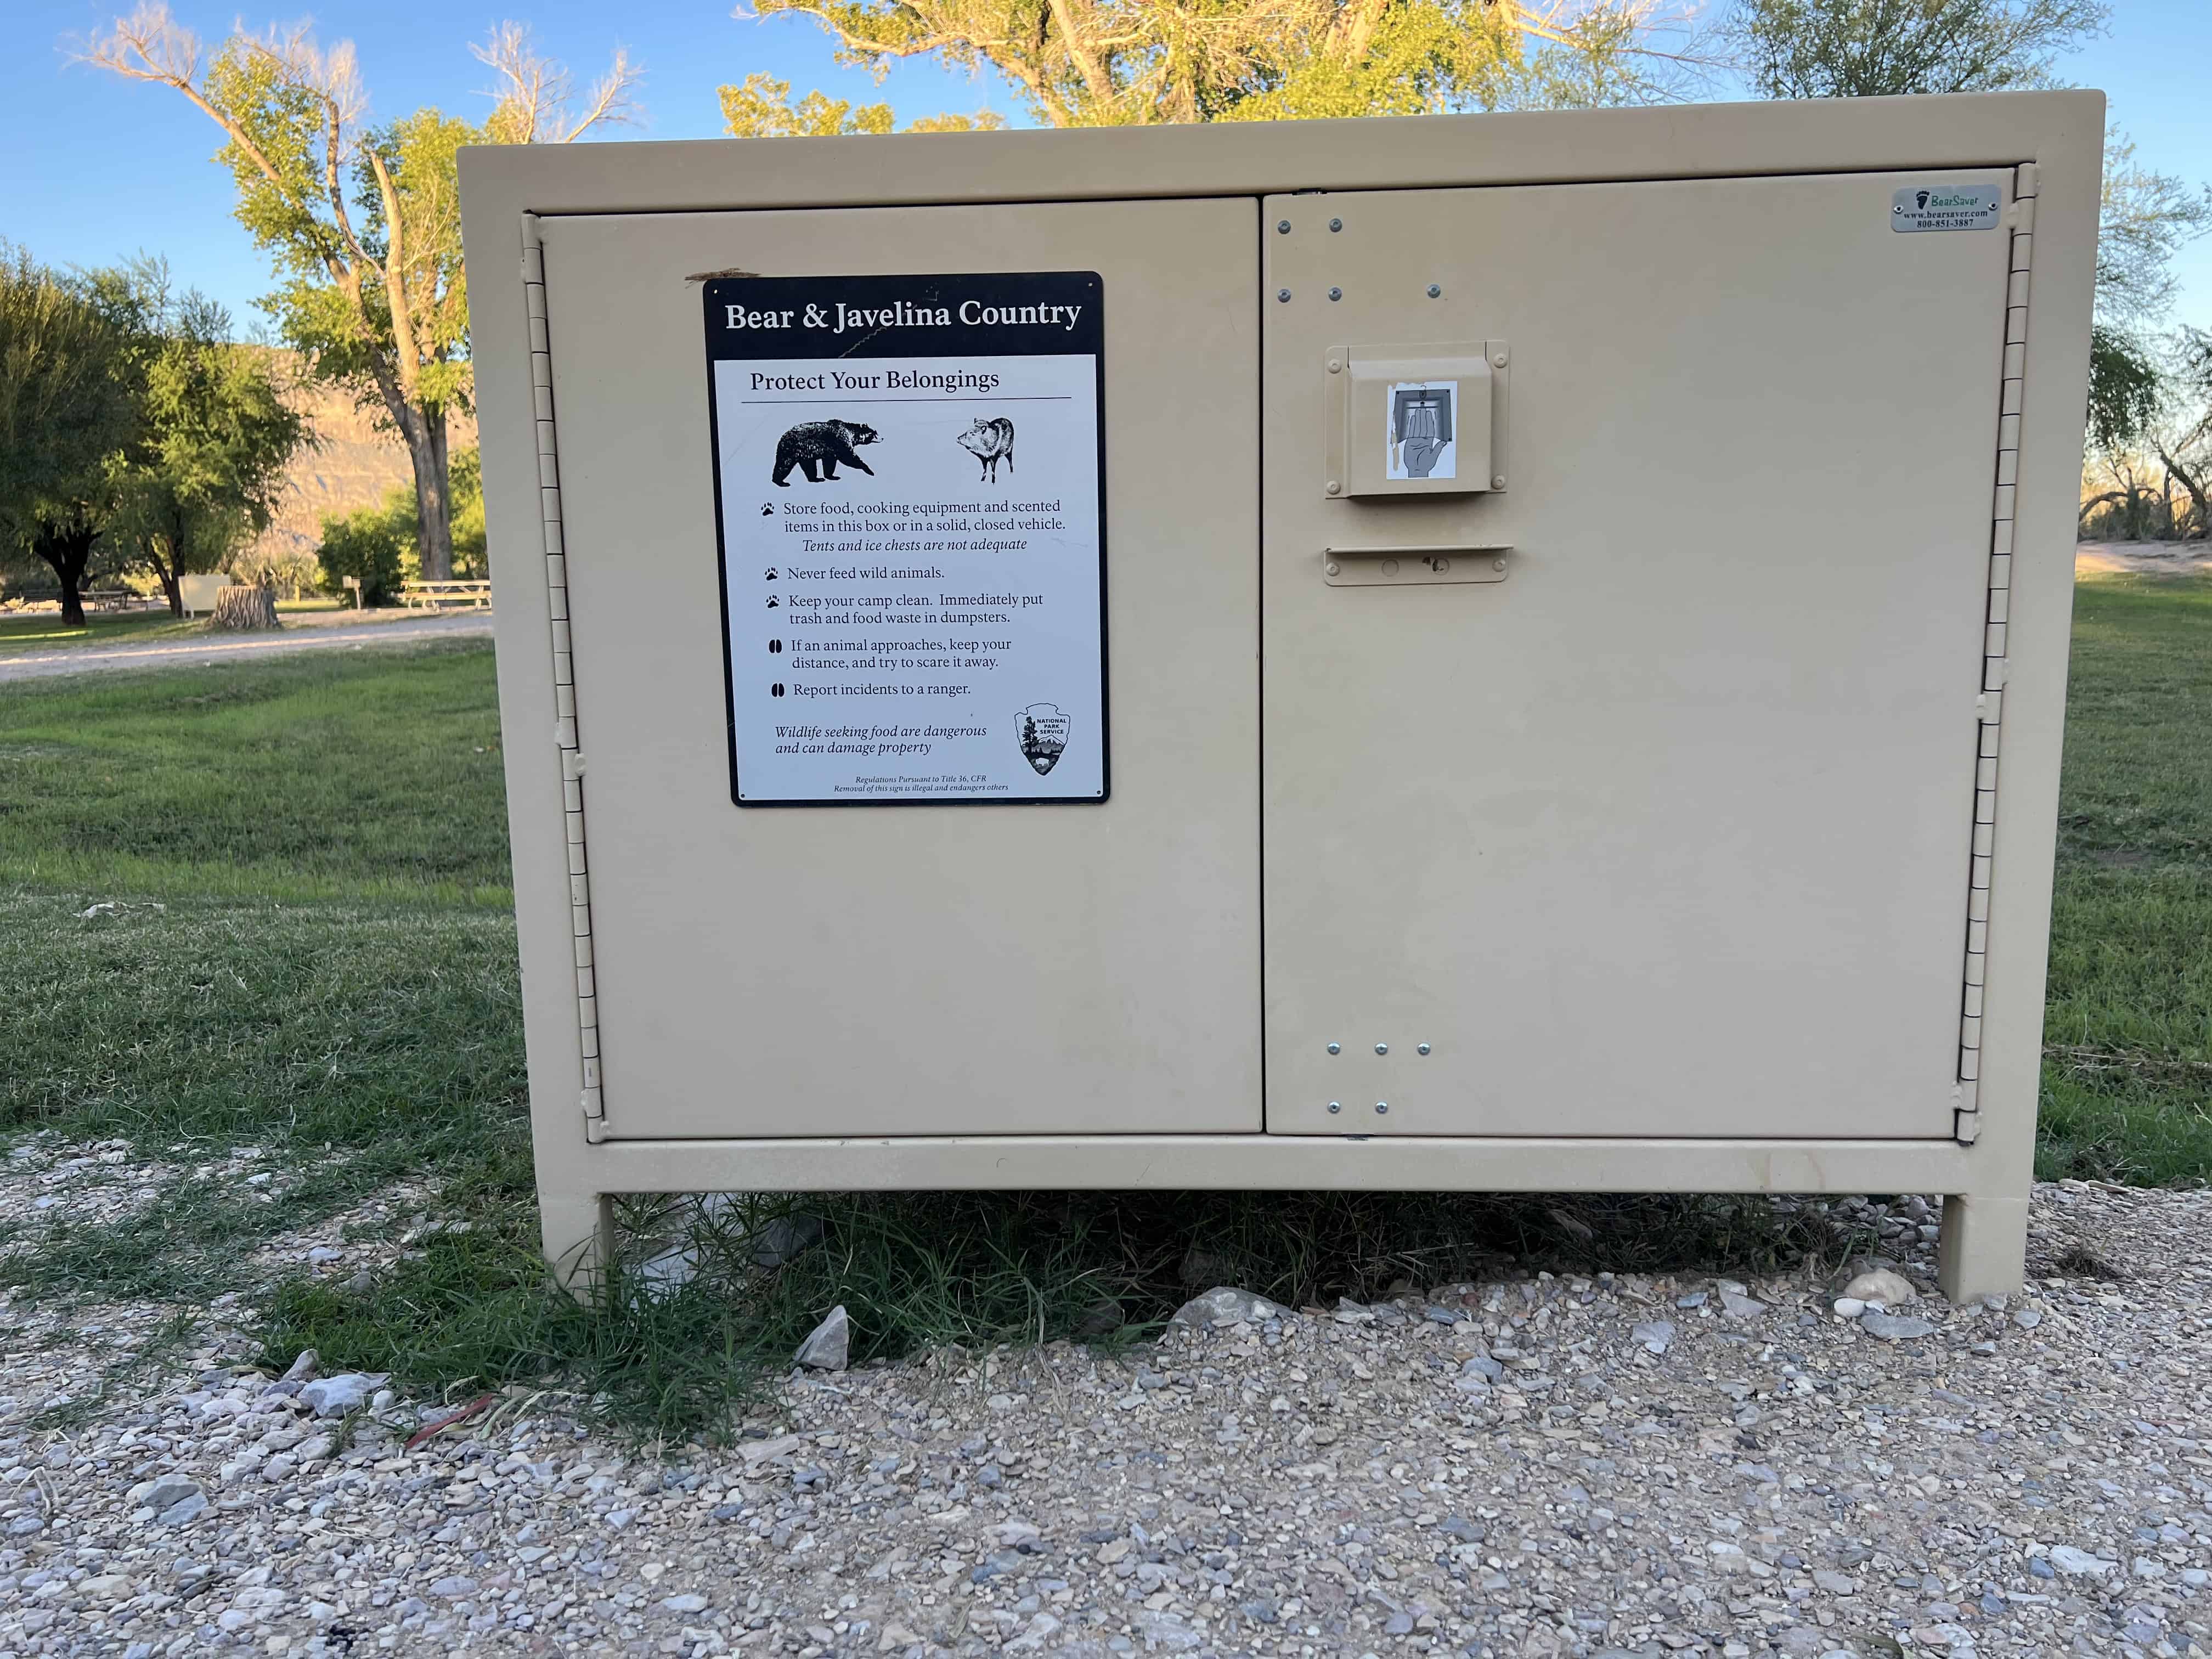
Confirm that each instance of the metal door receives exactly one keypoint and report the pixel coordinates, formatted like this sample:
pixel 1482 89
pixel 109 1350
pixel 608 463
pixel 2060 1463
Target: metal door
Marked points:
pixel 1661 826
pixel 918 970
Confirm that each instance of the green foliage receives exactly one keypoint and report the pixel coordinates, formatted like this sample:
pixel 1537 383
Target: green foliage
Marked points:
pixel 762 107
pixel 1123 62
pixel 472 554
pixel 66 413
pixel 206 471
pixel 377 544
pixel 2124 391
pixel 1886 48
pixel 362 224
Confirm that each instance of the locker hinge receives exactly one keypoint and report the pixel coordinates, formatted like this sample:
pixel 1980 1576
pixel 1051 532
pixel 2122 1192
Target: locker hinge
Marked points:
pixel 1989 704
pixel 1965 1115
pixel 571 757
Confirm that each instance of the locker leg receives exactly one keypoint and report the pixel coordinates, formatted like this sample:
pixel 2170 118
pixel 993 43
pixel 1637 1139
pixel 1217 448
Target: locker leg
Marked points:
pixel 1983 1248
pixel 578 1229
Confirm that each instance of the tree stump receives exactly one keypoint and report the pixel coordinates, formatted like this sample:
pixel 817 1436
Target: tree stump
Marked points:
pixel 246 607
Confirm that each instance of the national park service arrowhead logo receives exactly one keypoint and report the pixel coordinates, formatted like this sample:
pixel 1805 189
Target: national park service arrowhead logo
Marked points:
pixel 1043 731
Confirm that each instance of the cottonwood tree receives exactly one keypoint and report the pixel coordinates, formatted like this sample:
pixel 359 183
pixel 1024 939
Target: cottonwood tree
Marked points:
pixel 1123 63
pixel 1889 48
pixel 205 472
pixel 65 414
pixel 362 223
pixel 762 107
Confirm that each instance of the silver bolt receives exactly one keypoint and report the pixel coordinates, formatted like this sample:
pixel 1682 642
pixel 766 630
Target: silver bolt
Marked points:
pixel 1283 226
pixel 1498 483
pixel 1334 488
pixel 1336 224
pixel 1498 564
pixel 1335 1105
pixel 1283 294
pixel 1497 361
pixel 1382 1106
pixel 1334 367
pixel 1422 1049
pixel 1381 1048
pixel 1333 570
pixel 1436 291
pixel 1335 1048
pixel 1336 294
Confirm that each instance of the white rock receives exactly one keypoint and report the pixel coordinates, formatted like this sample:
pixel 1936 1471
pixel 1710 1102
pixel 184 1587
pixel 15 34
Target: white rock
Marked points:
pixel 1226 1305
pixel 830 1343
pixel 1850 1307
pixel 334 1396
pixel 2078 1563
pixel 1880 1284
pixel 163 1491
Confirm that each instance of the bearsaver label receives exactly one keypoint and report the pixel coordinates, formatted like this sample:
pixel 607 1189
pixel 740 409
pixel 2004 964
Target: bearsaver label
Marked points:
pixel 908 494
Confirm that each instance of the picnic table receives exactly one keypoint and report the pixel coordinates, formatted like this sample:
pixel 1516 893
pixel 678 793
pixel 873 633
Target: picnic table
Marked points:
pixel 435 596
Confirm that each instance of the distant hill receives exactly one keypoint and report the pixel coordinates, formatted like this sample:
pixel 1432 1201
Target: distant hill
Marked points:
pixel 354 465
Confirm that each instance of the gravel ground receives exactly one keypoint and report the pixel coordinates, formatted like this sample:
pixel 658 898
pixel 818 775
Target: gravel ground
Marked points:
pixel 1533 1466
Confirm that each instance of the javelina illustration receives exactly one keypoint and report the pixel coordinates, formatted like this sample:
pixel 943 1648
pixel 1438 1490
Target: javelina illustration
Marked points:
pixel 990 442
pixel 821 444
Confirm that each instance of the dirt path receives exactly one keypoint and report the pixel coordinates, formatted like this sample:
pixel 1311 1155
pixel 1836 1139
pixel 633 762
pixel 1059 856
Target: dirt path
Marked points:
pixel 298 634
pixel 2142 558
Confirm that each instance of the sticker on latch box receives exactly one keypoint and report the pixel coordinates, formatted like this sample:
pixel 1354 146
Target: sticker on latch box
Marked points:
pixel 1946 207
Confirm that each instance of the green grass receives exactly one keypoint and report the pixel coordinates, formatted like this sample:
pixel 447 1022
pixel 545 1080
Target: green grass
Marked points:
pixel 299 938
pixel 287 779
pixel 2127 1087
pixel 43 630
pixel 262 903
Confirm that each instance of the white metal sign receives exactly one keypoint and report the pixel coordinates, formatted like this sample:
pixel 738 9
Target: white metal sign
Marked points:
pixel 911 522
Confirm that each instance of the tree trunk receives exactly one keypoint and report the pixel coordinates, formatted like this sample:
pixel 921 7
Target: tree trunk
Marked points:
pixel 67 552
pixel 425 431
pixel 246 607
pixel 2196 488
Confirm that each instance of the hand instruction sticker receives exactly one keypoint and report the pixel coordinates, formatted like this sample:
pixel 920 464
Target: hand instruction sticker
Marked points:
pixel 1419 433
pixel 934 627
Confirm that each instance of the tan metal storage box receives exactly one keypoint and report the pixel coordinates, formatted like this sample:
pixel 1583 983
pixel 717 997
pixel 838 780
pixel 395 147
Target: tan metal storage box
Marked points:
pixel 1489 652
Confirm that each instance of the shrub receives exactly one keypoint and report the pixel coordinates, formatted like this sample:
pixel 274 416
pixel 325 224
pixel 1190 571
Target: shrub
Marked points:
pixel 372 543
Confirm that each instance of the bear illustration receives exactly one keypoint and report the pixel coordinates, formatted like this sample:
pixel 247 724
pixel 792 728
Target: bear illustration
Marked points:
pixel 821 444
pixel 990 442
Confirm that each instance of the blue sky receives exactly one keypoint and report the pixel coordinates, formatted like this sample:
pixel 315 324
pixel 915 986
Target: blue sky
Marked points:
pixel 93 168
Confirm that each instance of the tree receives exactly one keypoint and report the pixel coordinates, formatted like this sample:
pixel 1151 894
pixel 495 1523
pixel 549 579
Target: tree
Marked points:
pixel 371 544
pixel 205 471
pixel 2137 398
pixel 363 223
pixel 65 414
pixel 761 108
pixel 2185 451
pixel 1121 63
pixel 1886 48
